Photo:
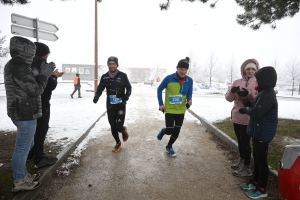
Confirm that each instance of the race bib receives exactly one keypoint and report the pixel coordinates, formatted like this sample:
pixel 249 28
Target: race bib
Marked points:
pixel 114 100
pixel 175 99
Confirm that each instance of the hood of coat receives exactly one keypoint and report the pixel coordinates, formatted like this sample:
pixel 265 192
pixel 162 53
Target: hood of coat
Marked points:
pixel 266 78
pixel 22 49
pixel 243 73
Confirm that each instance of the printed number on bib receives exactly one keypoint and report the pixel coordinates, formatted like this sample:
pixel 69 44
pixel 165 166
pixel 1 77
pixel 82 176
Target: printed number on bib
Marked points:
pixel 175 99
pixel 114 100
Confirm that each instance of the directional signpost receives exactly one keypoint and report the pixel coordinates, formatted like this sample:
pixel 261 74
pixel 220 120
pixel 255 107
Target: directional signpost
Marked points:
pixel 34 28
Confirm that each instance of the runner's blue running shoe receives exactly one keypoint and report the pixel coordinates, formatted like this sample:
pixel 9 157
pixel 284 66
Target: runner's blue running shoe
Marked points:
pixel 160 135
pixel 170 151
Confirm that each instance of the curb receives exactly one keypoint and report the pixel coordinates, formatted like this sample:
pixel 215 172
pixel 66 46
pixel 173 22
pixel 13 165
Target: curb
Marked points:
pixel 225 138
pixel 48 172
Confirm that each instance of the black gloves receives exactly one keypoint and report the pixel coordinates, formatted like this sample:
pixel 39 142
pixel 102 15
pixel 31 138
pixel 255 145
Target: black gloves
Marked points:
pixel 247 103
pixel 235 89
pixel 96 98
pixel 47 69
pixel 243 93
pixel 187 106
pixel 244 110
pixel 125 98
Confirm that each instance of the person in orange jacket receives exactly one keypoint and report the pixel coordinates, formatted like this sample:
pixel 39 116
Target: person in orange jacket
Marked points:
pixel 77 86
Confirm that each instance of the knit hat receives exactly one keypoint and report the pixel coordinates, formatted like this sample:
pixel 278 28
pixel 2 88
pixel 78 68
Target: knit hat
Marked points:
pixel 250 65
pixel 41 49
pixel 113 58
pixel 184 63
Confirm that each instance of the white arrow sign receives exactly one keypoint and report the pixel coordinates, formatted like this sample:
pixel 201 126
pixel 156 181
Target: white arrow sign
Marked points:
pixel 28 32
pixel 30 22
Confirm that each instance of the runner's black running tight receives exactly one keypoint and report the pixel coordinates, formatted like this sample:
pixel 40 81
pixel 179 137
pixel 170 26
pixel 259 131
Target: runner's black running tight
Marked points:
pixel 173 126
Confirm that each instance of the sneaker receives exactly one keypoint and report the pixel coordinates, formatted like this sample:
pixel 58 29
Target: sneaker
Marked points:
pixel 238 165
pixel 117 147
pixel 244 171
pixel 170 151
pixel 33 177
pixel 257 193
pixel 161 134
pixel 71 96
pixel 80 97
pixel 125 134
pixel 25 184
pixel 248 186
pixel 46 161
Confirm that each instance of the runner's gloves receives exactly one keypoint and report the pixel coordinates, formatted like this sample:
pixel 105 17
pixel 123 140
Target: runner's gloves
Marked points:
pixel 125 97
pixel 96 98
pixel 187 106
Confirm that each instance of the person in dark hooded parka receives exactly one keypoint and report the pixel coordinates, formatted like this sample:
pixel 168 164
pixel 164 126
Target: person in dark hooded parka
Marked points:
pixel 23 98
pixel 262 128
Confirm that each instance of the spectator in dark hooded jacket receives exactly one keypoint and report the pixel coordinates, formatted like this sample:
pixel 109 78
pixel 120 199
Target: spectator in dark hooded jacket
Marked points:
pixel 23 94
pixel 37 151
pixel 262 128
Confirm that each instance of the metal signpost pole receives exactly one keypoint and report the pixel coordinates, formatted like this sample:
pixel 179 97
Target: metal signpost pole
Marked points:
pixel 96 49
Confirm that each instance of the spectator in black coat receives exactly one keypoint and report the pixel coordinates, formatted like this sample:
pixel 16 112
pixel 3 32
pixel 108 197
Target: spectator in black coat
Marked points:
pixel 262 128
pixel 37 151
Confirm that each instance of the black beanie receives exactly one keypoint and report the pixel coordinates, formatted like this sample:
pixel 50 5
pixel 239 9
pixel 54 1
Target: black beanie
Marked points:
pixel 113 58
pixel 184 63
pixel 41 49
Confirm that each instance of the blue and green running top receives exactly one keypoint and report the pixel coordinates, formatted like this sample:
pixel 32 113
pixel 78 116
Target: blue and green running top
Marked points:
pixel 176 95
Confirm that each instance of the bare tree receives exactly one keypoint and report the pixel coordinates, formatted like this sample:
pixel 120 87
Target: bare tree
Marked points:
pixel 212 66
pixel 292 72
pixel 194 69
pixel 232 69
pixel 279 69
pixel 4 51
pixel 157 72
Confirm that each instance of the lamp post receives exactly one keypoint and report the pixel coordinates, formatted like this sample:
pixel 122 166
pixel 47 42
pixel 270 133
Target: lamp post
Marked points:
pixel 96 49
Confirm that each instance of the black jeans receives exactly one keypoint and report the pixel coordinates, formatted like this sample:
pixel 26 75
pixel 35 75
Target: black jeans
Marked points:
pixel 116 118
pixel 261 168
pixel 40 134
pixel 243 140
pixel 75 89
pixel 173 126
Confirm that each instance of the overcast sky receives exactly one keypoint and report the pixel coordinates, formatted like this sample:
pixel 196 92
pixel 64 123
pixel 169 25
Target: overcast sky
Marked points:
pixel 141 35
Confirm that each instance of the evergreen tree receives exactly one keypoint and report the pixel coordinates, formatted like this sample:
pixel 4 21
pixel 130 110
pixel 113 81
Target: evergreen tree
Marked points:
pixel 258 12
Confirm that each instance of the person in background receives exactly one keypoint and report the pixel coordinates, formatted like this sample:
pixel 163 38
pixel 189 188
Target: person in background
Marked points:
pixel 241 89
pixel 77 86
pixel 37 151
pixel 115 82
pixel 178 97
pixel 262 128
pixel 23 95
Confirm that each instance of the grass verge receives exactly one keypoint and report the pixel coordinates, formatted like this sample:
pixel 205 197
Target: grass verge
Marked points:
pixel 7 140
pixel 287 133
